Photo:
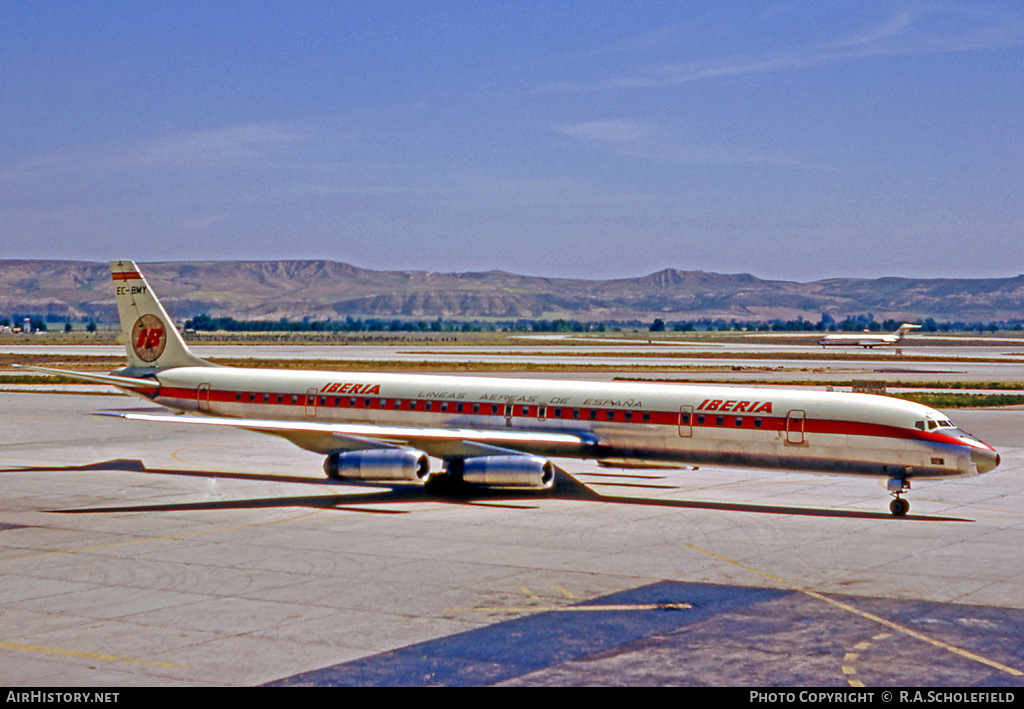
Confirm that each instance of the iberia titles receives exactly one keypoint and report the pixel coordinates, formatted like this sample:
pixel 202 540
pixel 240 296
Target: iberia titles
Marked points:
pixel 746 407
pixel 350 388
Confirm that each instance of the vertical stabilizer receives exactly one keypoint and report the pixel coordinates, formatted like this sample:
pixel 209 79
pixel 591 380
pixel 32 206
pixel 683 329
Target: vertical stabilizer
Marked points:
pixel 150 338
pixel 905 328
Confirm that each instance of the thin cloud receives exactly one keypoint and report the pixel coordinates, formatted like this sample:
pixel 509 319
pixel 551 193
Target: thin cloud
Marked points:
pixel 281 152
pixel 217 147
pixel 608 131
pixel 906 34
pixel 650 141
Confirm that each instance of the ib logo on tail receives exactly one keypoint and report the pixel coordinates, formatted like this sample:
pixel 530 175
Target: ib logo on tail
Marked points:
pixel 148 338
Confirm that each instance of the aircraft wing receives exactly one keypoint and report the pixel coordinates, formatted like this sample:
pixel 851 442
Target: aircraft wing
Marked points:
pixel 326 438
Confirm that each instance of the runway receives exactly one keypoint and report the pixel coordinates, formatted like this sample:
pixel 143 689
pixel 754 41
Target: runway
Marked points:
pixel 593 358
pixel 135 554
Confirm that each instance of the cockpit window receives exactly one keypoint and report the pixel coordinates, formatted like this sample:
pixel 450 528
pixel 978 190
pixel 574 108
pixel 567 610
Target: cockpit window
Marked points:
pixel 932 425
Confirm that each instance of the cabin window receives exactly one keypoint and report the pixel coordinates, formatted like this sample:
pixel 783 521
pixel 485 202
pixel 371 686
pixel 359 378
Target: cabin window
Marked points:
pixel 719 420
pixel 398 403
pixel 280 398
pixel 323 401
pixel 739 422
pixel 494 408
pixel 476 408
pixel 647 416
pixel 366 403
pixel 757 423
pixel 412 406
pixel 558 413
pixel 700 420
pixel 542 411
pixel 629 415
pixel 593 414
pixel 238 396
pixel 686 419
pixel 295 398
pixel 610 414
pixel 266 398
pixel 428 405
pixel 575 413
pixel 459 407
pixel 444 406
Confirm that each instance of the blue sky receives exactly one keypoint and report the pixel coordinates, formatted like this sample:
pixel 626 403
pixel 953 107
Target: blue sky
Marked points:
pixel 791 140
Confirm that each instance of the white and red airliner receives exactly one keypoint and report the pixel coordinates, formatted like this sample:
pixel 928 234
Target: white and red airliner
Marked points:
pixel 502 432
pixel 868 340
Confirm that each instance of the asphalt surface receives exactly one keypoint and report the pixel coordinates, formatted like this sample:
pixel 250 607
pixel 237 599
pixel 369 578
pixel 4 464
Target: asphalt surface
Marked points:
pixel 141 554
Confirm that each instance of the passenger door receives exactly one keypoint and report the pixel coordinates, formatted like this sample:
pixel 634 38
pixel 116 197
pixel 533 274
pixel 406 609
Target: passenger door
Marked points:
pixel 795 426
pixel 203 397
pixel 686 421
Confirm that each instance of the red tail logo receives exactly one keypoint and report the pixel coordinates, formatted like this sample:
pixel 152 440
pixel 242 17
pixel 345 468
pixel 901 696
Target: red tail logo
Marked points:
pixel 148 338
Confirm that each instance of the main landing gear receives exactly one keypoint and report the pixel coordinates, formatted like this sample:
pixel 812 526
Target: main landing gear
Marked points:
pixel 897 486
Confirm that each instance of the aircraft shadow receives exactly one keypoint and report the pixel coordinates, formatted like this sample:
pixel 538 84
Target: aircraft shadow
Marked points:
pixel 566 487
pixel 137 466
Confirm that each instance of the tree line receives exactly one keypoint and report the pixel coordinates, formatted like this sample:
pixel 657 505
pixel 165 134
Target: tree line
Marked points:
pixel 827 323
pixel 853 323
pixel 42 323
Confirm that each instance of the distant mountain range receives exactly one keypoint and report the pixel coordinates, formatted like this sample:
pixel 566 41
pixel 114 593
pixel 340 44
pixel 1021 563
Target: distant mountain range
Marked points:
pixel 321 290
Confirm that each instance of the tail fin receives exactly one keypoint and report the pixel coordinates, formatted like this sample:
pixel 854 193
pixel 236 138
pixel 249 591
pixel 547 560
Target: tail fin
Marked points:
pixel 150 338
pixel 906 327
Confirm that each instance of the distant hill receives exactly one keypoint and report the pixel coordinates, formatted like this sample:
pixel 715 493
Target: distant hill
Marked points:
pixel 320 290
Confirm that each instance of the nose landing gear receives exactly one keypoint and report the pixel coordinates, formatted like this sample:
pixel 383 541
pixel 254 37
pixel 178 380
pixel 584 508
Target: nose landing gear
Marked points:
pixel 897 486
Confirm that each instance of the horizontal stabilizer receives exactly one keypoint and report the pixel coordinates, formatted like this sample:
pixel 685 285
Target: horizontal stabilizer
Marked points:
pixel 125 382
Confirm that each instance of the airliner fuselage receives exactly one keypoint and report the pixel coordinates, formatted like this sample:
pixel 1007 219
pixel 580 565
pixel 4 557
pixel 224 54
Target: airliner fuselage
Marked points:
pixel 869 340
pixel 615 423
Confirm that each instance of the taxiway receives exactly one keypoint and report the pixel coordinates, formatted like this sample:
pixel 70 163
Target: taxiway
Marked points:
pixel 146 555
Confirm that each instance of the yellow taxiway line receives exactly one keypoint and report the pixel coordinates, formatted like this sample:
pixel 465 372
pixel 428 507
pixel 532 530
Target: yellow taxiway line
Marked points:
pixel 1012 671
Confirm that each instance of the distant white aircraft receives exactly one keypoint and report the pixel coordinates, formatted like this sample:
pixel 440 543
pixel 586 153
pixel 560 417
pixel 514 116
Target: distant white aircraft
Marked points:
pixel 866 339
pixel 498 432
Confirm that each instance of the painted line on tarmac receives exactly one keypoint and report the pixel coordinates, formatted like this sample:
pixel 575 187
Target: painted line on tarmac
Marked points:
pixel 575 609
pixel 103 657
pixel 98 656
pixel 1006 669
pixel 183 535
pixel 540 638
pixel 849 666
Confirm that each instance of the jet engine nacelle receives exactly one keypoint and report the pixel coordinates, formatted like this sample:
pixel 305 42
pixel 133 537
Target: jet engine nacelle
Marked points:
pixel 509 471
pixel 405 465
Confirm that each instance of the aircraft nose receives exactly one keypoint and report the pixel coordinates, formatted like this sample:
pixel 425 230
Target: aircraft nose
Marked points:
pixel 984 459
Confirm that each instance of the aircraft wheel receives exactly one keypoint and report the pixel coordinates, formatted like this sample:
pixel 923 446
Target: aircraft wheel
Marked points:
pixel 899 507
